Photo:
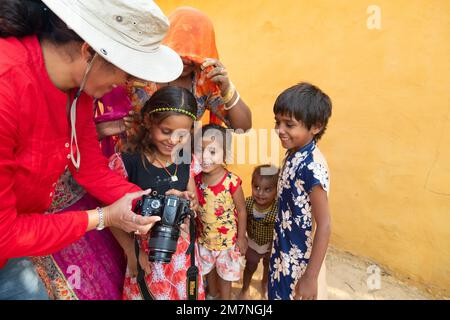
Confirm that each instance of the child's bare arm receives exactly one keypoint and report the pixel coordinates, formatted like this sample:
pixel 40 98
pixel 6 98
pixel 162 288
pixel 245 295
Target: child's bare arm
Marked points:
pixel 321 215
pixel 126 241
pixel 193 190
pixel 239 202
pixel 307 285
pixel 194 207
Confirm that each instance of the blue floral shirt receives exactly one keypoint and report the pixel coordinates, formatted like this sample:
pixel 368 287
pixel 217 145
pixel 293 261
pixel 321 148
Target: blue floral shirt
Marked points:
pixel 292 243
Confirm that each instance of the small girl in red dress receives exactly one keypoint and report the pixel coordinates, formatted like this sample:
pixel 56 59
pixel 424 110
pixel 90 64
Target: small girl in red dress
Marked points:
pixel 222 216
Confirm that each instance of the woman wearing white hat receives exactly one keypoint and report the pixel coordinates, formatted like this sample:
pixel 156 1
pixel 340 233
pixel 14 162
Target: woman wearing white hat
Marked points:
pixel 55 55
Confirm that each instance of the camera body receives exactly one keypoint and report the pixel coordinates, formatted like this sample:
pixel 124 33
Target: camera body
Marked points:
pixel 165 233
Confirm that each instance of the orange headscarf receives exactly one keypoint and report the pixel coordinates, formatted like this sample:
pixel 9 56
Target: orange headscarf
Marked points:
pixel 191 35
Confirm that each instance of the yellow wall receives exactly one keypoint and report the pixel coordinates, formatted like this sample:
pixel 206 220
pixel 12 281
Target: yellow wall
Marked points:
pixel 389 136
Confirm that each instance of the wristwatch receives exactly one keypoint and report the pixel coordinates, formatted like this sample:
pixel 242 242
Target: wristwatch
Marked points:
pixel 101 220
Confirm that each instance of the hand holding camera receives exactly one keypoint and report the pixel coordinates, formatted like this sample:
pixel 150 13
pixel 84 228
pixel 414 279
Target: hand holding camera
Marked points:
pixel 186 195
pixel 120 215
pixel 172 210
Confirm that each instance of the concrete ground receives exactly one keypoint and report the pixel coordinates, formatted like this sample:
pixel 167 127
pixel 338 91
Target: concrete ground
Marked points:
pixel 347 279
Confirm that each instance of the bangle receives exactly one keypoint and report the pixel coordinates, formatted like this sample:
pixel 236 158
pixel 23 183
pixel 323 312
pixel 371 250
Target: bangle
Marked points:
pixel 230 94
pixel 101 220
pixel 234 103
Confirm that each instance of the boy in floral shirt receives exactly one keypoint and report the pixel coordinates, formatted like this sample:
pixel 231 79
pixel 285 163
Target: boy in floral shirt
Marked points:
pixel 299 247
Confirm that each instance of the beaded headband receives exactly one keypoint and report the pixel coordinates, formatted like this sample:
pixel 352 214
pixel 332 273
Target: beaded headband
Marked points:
pixel 165 109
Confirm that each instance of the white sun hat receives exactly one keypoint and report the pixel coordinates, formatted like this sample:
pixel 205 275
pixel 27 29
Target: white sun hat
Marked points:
pixel 127 33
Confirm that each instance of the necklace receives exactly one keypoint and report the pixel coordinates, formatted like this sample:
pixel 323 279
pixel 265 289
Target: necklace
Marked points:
pixel 173 177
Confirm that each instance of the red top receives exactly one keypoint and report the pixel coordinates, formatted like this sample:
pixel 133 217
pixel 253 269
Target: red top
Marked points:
pixel 34 152
pixel 218 216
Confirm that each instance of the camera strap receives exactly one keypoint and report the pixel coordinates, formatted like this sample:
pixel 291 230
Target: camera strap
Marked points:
pixel 192 273
pixel 141 275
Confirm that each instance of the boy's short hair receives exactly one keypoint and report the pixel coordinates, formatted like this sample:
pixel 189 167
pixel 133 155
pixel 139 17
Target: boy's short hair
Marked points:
pixel 266 171
pixel 214 130
pixel 306 103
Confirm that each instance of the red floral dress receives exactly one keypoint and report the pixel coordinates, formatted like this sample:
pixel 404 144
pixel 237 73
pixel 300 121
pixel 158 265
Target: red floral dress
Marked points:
pixel 217 223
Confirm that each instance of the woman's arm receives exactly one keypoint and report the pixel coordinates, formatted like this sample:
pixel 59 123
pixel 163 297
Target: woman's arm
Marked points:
pixel 236 109
pixel 110 128
pixel 34 233
pixel 126 241
pixel 239 202
pixel 240 115
pixel 307 285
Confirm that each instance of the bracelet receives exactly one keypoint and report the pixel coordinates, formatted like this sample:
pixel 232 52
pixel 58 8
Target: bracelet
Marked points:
pixel 101 220
pixel 234 103
pixel 230 94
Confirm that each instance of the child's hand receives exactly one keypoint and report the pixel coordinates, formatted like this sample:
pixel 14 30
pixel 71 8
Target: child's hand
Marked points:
pixel 132 262
pixel 306 288
pixel 133 117
pixel 184 228
pixel 186 195
pixel 242 244
pixel 194 205
pixel 110 128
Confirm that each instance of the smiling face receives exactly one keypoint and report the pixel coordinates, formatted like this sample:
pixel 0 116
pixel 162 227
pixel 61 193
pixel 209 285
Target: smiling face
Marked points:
pixel 264 191
pixel 169 133
pixel 293 133
pixel 212 156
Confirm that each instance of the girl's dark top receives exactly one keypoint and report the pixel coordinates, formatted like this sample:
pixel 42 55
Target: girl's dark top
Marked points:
pixel 153 177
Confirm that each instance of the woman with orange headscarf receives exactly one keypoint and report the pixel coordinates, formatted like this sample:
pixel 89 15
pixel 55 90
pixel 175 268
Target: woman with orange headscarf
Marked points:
pixel 192 36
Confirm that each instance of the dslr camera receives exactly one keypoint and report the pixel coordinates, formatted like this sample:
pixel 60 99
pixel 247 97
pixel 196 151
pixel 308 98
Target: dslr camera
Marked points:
pixel 165 233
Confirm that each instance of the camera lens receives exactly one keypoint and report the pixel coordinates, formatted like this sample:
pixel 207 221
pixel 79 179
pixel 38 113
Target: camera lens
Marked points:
pixel 159 256
pixel 162 243
pixel 165 233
